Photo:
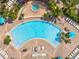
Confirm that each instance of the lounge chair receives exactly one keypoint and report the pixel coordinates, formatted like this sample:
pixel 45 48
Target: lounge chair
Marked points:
pixel 43 47
pixel 72 23
pixel 74 53
pixel 77 57
pixel 34 49
pixel 76 50
pixel 38 54
pixel 3 53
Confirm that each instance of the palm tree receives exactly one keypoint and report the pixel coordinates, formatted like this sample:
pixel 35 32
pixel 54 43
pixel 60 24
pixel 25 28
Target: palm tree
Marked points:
pixel 70 3
pixel 46 15
pixel 70 9
pixel 5 13
pixel 65 37
pixel 54 8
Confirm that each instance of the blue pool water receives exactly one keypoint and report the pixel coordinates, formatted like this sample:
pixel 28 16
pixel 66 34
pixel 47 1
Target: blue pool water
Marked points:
pixel 2 20
pixel 35 29
pixel 35 7
pixel 59 57
pixel 72 35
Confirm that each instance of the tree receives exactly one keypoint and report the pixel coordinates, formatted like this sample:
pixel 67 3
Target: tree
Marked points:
pixel 70 9
pixel 46 15
pixel 7 40
pixel 65 37
pixel 70 3
pixel 12 15
pixel 54 8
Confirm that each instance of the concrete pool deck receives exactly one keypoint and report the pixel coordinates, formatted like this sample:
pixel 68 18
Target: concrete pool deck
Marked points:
pixel 39 44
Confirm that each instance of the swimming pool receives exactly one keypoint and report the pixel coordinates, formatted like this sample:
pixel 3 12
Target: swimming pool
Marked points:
pixel 72 35
pixel 2 20
pixel 35 7
pixel 35 29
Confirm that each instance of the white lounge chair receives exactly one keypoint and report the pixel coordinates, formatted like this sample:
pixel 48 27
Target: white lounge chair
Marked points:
pixel 43 47
pixel 38 54
pixel 70 56
pixel 77 57
pixel 3 53
pixel 76 50
pixel 6 56
pixel 72 23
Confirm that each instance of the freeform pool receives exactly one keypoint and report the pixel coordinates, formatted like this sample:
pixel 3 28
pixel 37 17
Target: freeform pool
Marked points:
pixel 35 29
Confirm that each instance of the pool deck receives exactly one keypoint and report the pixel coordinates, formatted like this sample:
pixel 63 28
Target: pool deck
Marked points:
pixel 63 50
pixel 39 44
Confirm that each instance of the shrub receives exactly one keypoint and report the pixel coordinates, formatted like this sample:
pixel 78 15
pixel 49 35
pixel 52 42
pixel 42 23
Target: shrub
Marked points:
pixel 7 40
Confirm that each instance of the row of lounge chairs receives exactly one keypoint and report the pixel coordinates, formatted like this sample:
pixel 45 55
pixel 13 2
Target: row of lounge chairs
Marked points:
pixel 3 54
pixel 74 54
pixel 73 23
pixel 10 3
